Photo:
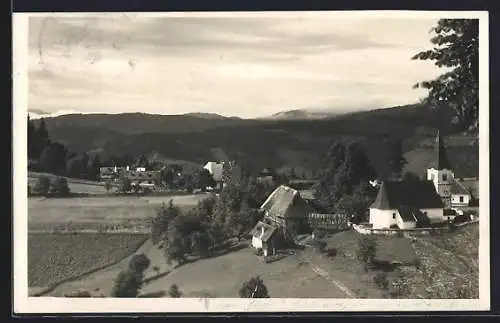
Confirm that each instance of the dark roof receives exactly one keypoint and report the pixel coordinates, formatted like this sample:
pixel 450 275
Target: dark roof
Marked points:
pixel 282 199
pixel 458 188
pixel 441 160
pixel 406 214
pixel 472 186
pixel 394 194
pixel 269 230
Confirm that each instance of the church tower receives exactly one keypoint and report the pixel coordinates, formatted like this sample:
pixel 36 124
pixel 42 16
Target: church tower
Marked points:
pixel 440 171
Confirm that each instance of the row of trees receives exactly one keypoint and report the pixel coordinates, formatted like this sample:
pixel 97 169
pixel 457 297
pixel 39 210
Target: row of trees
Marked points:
pixel 54 157
pixel 211 223
pixel 344 185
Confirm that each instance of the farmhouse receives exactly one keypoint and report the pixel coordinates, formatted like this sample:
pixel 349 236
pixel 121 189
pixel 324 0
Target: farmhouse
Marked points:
pixel 143 178
pixel 215 169
pixel 454 193
pixel 285 209
pixel 406 205
pixel 265 237
pixel 224 172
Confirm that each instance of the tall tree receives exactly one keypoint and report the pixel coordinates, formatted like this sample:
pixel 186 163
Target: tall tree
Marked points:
pixel 396 159
pixel 53 158
pixel 43 138
pixel 456 48
pixel 32 148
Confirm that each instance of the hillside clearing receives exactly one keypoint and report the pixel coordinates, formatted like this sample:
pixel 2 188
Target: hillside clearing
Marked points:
pixel 56 257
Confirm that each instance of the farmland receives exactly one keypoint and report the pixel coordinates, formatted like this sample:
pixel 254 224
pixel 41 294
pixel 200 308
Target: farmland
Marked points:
pixel 97 212
pixel 56 257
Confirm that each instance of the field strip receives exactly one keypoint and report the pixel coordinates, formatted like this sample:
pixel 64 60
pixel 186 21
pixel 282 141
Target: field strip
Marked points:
pixel 323 273
pixel 88 273
pixel 466 262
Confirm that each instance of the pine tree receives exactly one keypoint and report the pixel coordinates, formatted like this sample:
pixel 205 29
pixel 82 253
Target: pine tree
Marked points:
pixel 456 48
pixel 396 158
pixel 32 144
pixel 42 134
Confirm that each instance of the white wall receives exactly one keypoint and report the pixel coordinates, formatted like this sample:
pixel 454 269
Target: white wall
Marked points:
pixel 441 184
pixel 434 215
pixel 404 225
pixel 256 243
pixel 215 169
pixel 381 219
pixel 455 199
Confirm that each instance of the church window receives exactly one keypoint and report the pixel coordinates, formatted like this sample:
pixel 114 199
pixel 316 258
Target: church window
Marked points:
pixel 461 199
pixel 393 215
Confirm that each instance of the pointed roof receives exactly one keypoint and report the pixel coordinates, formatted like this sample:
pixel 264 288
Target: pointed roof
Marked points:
pixel 395 194
pixel 441 157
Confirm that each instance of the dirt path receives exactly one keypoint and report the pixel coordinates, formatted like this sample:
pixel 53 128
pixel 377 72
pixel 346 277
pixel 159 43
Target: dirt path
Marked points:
pixel 323 273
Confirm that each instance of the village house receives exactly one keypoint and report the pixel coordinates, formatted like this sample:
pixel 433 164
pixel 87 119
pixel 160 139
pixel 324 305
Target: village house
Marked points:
pixel 224 173
pixel 111 173
pixel 266 237
pixel 143 178
pixel 406 205
pixel 455 193
pixel 285 209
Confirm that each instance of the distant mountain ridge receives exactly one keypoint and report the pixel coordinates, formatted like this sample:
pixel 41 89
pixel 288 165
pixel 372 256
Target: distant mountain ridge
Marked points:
pixel 259 143
pixel 299 114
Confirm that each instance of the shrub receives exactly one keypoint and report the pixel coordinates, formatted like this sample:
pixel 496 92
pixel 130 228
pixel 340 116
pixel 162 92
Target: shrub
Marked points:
pixel 367 249
pixel 381 281
pixel 127 284
pixel 42 186
pixel 139 263
pixel 174 291
pixel 107 185
pixel 319 245
pixel 59 187
pixel 254 288
pixel 331 252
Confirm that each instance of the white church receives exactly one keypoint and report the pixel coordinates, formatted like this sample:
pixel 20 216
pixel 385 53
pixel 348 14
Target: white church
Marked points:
pixel 407 205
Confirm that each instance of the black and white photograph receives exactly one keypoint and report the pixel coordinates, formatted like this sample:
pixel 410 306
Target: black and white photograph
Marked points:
pixel 312 161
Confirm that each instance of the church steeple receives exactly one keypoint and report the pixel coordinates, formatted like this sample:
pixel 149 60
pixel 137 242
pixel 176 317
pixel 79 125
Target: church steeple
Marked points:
pixel 442 161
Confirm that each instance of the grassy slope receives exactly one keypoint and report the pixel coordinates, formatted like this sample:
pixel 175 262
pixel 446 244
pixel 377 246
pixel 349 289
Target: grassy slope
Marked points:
pixel 74 254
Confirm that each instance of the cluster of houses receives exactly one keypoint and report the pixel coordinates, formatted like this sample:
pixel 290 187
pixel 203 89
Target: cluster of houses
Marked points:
pixel 399 205
pixel 139 176
pixel 440 198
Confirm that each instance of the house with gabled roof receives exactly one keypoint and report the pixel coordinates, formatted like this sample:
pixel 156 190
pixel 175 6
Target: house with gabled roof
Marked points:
pixel 454 193
pixel 406 204
pixel 286 209
pixel 266 237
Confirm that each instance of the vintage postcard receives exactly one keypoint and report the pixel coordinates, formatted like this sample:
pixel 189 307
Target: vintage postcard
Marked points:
pixel 251 162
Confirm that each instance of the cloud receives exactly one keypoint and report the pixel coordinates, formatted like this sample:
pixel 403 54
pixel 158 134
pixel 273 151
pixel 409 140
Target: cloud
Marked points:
pixel 236 66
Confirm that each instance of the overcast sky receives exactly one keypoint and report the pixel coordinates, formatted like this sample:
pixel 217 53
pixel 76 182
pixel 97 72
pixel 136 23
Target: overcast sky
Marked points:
pixel 235 66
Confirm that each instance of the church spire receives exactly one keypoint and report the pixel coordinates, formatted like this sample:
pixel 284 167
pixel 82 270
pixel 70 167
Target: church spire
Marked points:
pixel 442 161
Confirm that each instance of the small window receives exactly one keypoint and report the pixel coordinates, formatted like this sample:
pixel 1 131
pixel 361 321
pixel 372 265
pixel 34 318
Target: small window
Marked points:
pixel 150 182
pixel 445 177
pixel 393 215
pixel 461 199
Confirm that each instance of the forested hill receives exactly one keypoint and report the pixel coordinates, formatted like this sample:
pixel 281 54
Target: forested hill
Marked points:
pixel 256 144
